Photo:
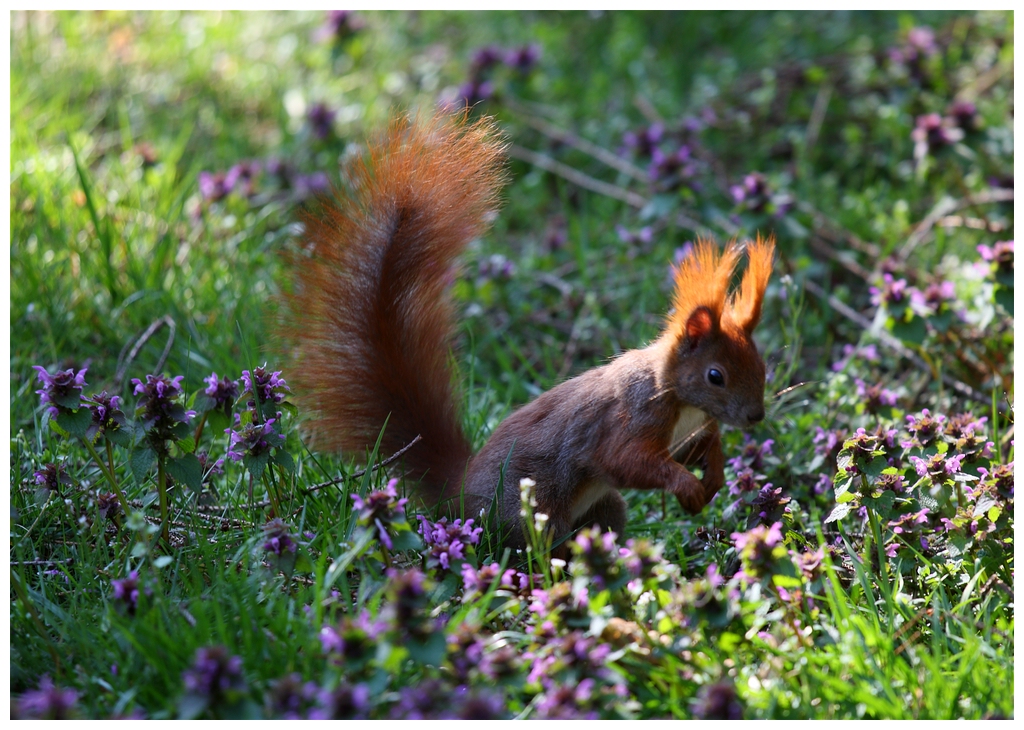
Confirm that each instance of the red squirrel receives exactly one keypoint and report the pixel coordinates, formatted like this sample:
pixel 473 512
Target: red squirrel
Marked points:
pixel 371 326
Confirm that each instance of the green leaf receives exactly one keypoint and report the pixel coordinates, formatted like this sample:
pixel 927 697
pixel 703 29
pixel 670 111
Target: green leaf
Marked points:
pixel 431 651
pixel 187 444
pixel 186 470
pixel 140 462
pixel 284 459
pixel 882 504
pixel 839 512
pixel 874 468
pixel 913 331
pixel 75 423
pixel 256 464
pixel 163 561
pixel 406 540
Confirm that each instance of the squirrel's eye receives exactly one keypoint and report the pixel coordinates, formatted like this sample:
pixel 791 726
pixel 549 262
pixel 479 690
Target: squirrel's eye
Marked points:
pixel 715 377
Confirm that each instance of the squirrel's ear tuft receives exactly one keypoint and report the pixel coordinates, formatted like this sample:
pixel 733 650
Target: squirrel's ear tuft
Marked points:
pixel 744 309
pixel 701 281
pixel 699 326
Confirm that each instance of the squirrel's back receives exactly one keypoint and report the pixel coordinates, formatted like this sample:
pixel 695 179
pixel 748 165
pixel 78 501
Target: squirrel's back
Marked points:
pixel 369 318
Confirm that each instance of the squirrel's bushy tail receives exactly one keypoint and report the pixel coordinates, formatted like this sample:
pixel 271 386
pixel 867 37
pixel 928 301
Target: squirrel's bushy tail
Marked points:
pixel 369 319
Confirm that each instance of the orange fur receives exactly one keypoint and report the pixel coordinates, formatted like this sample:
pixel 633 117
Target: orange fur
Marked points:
pixel 369 318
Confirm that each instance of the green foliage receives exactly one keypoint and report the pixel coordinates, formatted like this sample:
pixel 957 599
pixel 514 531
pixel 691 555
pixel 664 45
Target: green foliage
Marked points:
pixel 182 554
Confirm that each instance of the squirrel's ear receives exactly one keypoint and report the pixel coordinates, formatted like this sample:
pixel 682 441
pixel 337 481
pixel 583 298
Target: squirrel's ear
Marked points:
pixel 699 325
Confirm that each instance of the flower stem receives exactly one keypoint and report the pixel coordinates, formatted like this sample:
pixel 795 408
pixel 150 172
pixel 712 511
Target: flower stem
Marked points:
pixel 108 473
pixel 161 484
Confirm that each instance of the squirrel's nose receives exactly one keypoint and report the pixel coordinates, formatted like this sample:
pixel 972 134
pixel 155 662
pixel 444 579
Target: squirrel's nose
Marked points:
pixel 756 415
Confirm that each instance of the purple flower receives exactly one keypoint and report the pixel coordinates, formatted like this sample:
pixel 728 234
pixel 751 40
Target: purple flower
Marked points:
pixel 923 429
pixel 646 140
pixel 213 186
pixel 290 698
pixel 108 505
pixel 223 392
pixel 769 503
pixel 278 540
pixel 344 702
pixel 892 291
pixel 745 481
pixel 759 549
pixel 126 592
pixel 159 410
pixel 474 91
pixel 1001 253
pixel 354 641
pixel 340 25
pixel 379 509
pixel 321 120
pixel 48 702
pixel 524 58
pixel 446 542
pixel 571 701
pixel 930 301
pixel 106 414
pixel 52 477
pixel 598 554
pixel 478 582
pixel 752 454
pixel 241 178
pixel 672 169
pixel 932 132
pixel 875 396
pixel 938 468
pixel 497 266
pixel 644 235
pixel 312 184
pixel 62 390
pixel 718 701
pixel 483 59
pixel 964 114
pixel 215 675
pixel 269 387
pixel 252 439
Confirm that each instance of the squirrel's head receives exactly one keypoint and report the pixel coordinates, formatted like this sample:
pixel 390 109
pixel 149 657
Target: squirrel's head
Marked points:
pixel 715 365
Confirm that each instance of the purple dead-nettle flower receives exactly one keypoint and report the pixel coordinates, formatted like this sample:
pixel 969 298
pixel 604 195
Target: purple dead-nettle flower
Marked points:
pixel 344 702
pixel 379 509
pixel 278 539
pixel 891 483
pixel 718 701
pixel 475 91
pixel 47 702
pixel 875 396
pixel 213 186
pixel 937 467
pixel 1001 477
pixel 108 505
pixel 214 675
pixel 524 58
pixel 479 581
pixel 923 428
pixel 340 25
pixel 52 477
pixel 429 700
pixel 752 455
pixel 312 184
pixel 446 541
pixel 321 120
pixel 641 557
pixel 478 704
pixel 408 602
pixel 759 549
pixel 930 301
pixel 159 410
pixel 497 266
pixel 241 177
pixel 209 470
pixel 484 59
pixel 827 442
pixel 933 132
pixel 673 167
pixel 644 235
pixel 281 170
pixel 290 698
pixel 965 114
pixel 1001 253
pixel 126 592
pixel 252 439
pixel 745 481
pixel 465 651
pixel 892 291
pixel 678 256
pixel 572 701
pixel 598 553
pixel 908 526
pixel 62 390
pixel 769 503
pixel 106 413
pixel 270 387
pixel 645 141
pixel 752 193
pixel 920 45
pixel 354 639
pixel 868 353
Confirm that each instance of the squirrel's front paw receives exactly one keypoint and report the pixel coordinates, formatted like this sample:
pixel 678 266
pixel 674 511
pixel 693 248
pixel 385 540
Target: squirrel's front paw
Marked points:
pixel 690 494
pixel 713 480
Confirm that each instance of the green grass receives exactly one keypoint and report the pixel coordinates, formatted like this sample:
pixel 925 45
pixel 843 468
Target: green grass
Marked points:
pixel 117 257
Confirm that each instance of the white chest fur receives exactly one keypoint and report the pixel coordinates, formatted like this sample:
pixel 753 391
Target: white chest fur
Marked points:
pixel 689 426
